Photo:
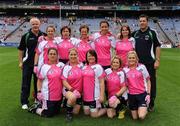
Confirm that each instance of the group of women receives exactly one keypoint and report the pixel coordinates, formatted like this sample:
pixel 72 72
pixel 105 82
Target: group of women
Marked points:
pixel 78 72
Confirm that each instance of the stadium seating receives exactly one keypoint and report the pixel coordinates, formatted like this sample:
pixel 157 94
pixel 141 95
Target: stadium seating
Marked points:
pixel 169 26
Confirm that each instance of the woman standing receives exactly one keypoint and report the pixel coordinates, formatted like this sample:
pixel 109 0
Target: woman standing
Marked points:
pixel 49 86
pixel 72 81
pixel 65 43
pixel 139 85
pixel 93 86
pixel 124 44
pixel 84 44
pixel 104 43
pixel 41 56
pixel 117 95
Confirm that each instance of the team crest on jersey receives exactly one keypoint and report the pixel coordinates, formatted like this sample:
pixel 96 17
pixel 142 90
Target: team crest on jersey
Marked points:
pixel 47 46
pixel 51 71
pixel 70 73
pixel 147 37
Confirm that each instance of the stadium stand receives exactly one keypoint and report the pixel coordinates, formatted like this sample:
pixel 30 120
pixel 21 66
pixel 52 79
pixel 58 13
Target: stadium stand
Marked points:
pixel 12 27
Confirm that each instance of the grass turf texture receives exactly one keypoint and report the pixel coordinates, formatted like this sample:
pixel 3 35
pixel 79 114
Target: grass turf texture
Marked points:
pixel 167 110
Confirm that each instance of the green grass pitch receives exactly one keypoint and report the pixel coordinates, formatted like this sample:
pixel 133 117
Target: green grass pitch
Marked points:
pixel 167 109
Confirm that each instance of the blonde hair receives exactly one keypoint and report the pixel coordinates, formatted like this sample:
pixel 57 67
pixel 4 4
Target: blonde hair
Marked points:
pixel 73 49
pixel 117 57
pixel 133 52
pixel 51 26
pixel 34 19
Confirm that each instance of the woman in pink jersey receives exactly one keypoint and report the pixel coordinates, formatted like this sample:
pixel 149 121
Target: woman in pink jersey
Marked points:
pixel 41 56
pixel 84 44
pixel 65 43
pixel 138 83
pixel 124 44
pixel 49 86
pixel 103 43
pixel 93 86
pixel 72 81
pixel 116 88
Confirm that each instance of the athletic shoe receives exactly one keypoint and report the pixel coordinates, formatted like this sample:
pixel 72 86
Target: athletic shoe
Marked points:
pixel 33 107
pixel 121 114
pixel 24 107
pixel 69 117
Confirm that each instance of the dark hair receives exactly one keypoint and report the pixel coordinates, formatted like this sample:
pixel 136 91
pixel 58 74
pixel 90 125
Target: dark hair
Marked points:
pixel 84 26
pixel 51 26
pixel 93 53
pixel 128 28
pixel 66 27
pixel 52 48
pixel 104 22
pixel 144 16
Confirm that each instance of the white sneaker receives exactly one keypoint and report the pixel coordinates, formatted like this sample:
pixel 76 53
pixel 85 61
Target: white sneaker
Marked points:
pixel 24 106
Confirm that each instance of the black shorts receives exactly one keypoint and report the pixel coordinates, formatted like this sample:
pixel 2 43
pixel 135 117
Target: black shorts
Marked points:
pixel 52 108
pixel 78 101
pixel 136 101
pixel 91 104
pixel 123 102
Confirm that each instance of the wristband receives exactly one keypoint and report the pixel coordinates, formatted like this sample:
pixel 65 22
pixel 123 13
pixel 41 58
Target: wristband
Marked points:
pixel 35 65
pixel 148 93
pixel 39 91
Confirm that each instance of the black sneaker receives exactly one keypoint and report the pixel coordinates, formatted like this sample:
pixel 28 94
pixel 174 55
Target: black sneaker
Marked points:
pixel 33 107
pixel 69 117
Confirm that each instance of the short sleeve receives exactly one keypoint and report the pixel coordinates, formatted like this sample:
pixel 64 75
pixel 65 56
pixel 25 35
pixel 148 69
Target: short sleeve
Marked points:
pixel 39 48
pixel 22 45
pixel 100 72
pixel 156 39
pixel 122 77
pixel 145 72
pixel 43 72
pixel 75 41
pixel 65 72
pixel 132 40
pixel 113 41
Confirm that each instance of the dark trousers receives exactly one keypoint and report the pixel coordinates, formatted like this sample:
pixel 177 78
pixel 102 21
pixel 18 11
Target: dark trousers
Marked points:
pixel 27 73
pixel 152 73
pixel 53 108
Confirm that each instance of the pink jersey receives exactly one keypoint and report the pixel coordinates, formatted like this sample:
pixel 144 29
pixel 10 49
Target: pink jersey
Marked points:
pixel 42 51
pixel 137 79
pixel 123 47
pixel 64 45
pixel 115 81
pixel 52 83
pixel 103 45
pixel 91 85
pixel 82 48
pixel 73 75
